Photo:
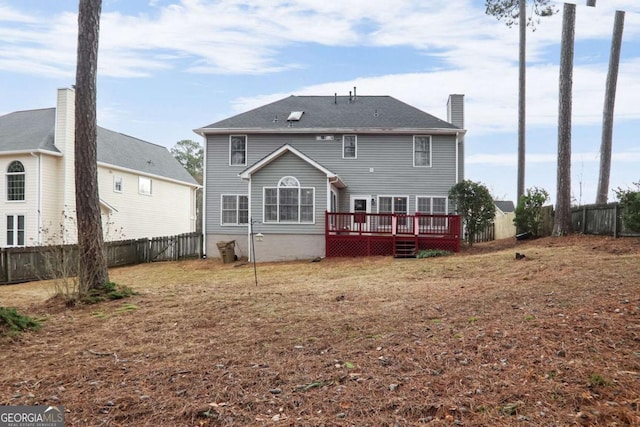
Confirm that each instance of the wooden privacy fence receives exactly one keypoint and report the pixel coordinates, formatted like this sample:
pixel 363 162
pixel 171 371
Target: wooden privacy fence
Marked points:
pixel 23 264
pixel 601 219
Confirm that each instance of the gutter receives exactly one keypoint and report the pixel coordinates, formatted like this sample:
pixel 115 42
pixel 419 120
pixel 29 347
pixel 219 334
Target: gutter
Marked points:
pixel 362 131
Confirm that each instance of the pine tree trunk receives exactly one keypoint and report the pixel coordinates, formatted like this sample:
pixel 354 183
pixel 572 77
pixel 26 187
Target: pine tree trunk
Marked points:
pixel 562 218
pixel 609 104
pixel 93 273
pixel 522 97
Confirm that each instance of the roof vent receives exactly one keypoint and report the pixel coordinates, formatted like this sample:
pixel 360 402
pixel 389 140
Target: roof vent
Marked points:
pixel 295 116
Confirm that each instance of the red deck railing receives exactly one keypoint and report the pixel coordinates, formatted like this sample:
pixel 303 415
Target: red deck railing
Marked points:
pixel 365 234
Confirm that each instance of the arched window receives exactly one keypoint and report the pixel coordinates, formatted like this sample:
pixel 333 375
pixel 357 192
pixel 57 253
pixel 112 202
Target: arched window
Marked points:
pixel 15 181
pixel 289 202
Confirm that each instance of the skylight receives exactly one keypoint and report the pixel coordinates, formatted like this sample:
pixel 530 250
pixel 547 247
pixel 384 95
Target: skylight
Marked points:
pixel 295 116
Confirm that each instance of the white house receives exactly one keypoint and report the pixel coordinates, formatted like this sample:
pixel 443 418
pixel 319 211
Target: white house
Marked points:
pixel 144 191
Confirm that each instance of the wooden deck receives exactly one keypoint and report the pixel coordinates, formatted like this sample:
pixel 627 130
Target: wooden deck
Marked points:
pixel 351 234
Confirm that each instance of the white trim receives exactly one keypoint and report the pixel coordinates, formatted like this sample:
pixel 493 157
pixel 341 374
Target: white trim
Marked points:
pixel 355 154
pixel 356 130
pixel 204 199
pixel 430 151
pixel 446 204
pixel 393 205
pixel 233 224
pixel 150 175
pixel 115 189
pixel 21 152
pixel 278 221
pixel 15 222
pixel 246 149
pixel 150 193
pixel 333 178
pixel 108 206
pixel 457 159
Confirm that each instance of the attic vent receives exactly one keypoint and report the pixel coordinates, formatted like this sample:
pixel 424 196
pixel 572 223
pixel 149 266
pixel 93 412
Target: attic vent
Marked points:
pixel 324 137
pixel 295 116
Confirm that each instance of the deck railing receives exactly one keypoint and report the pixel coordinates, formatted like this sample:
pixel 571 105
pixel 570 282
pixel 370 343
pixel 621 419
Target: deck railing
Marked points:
pixel 377 234
pixel 345 223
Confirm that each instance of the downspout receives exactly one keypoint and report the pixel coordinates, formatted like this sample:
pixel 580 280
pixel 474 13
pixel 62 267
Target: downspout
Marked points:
pixel 250 228
pixel 457 158
pixel 204 199
pixel 38 197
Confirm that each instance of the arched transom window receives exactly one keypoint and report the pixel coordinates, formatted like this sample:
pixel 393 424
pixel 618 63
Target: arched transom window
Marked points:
pixel 15 181
pixel 289 202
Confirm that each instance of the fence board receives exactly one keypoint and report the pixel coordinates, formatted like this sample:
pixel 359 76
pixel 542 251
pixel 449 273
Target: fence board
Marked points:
pixel 601 219
pixel 24 264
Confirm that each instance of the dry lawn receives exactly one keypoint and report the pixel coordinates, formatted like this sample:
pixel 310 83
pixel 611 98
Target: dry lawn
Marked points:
pixel 474 339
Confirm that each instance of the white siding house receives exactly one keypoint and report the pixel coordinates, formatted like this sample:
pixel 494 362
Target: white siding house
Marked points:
pixel 144 191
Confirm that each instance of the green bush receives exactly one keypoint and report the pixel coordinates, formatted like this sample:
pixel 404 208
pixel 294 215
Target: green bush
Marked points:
pixel 630 204
pixel 475 204
pixel 528 212
pixel 12 323
pixel 109 291
pixel 430 253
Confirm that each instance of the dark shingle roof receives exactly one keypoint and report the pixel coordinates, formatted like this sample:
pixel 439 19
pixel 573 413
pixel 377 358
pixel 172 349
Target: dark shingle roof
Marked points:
pixel 28 130
pixel 328 112
pixel 505 206
pixel 34 130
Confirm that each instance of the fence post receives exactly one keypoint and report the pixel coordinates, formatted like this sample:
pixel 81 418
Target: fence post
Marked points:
pixel 616 212
pixel 584 219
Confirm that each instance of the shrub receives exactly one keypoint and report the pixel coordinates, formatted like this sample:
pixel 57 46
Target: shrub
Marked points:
pixel 475 204
pixel 528 212
pixel 430 253
pixel 630 204
pixel 12 323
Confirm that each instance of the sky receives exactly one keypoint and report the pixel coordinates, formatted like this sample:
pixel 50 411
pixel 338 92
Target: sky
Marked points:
pixel 168 67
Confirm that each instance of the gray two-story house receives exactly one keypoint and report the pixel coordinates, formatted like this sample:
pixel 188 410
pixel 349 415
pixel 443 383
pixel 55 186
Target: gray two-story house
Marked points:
pixel 315 176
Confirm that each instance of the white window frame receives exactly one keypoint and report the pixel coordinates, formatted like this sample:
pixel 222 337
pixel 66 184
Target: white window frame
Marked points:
pixel 288 182
pixel 430 157
pixel 437 223
pixel 117 179
pixel 393 203
pixel 246 144
pixel 141 188
pixel 237 210
pixel 15 230
pixel 355 146
pixel 446 205
pixel 15 174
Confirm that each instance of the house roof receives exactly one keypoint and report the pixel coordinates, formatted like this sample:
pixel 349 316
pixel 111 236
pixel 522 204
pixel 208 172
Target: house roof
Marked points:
pixel 333 177
pixel 332 113
pixel 28 130
pixel 33 130
pixel 505 206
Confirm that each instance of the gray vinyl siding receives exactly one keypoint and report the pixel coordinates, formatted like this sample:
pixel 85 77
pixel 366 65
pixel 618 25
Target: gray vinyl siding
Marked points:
pixel 390 157
pixel 308 176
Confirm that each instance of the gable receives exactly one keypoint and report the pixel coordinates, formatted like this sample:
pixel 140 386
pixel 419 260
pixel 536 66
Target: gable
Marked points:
pixel 288 149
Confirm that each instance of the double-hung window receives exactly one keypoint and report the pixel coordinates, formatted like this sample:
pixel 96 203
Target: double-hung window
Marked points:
pixel 144 185
pixel 235 209
pixel 393 204
pixel 289 202
pixel 117 184
pixel 238 150
pixel 421 151
pixel 349 147
pixel 15 230
pixel 15 182
pixel 432 206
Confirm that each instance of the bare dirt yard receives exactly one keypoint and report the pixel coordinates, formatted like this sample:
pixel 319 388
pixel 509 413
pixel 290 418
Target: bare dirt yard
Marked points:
pixel 473 339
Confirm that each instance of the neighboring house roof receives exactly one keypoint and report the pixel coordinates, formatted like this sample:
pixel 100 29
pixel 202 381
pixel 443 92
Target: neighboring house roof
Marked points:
pixel 28 131
pixel 505 206
pixel 333 177
pixel 314 113
pixel 34 130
